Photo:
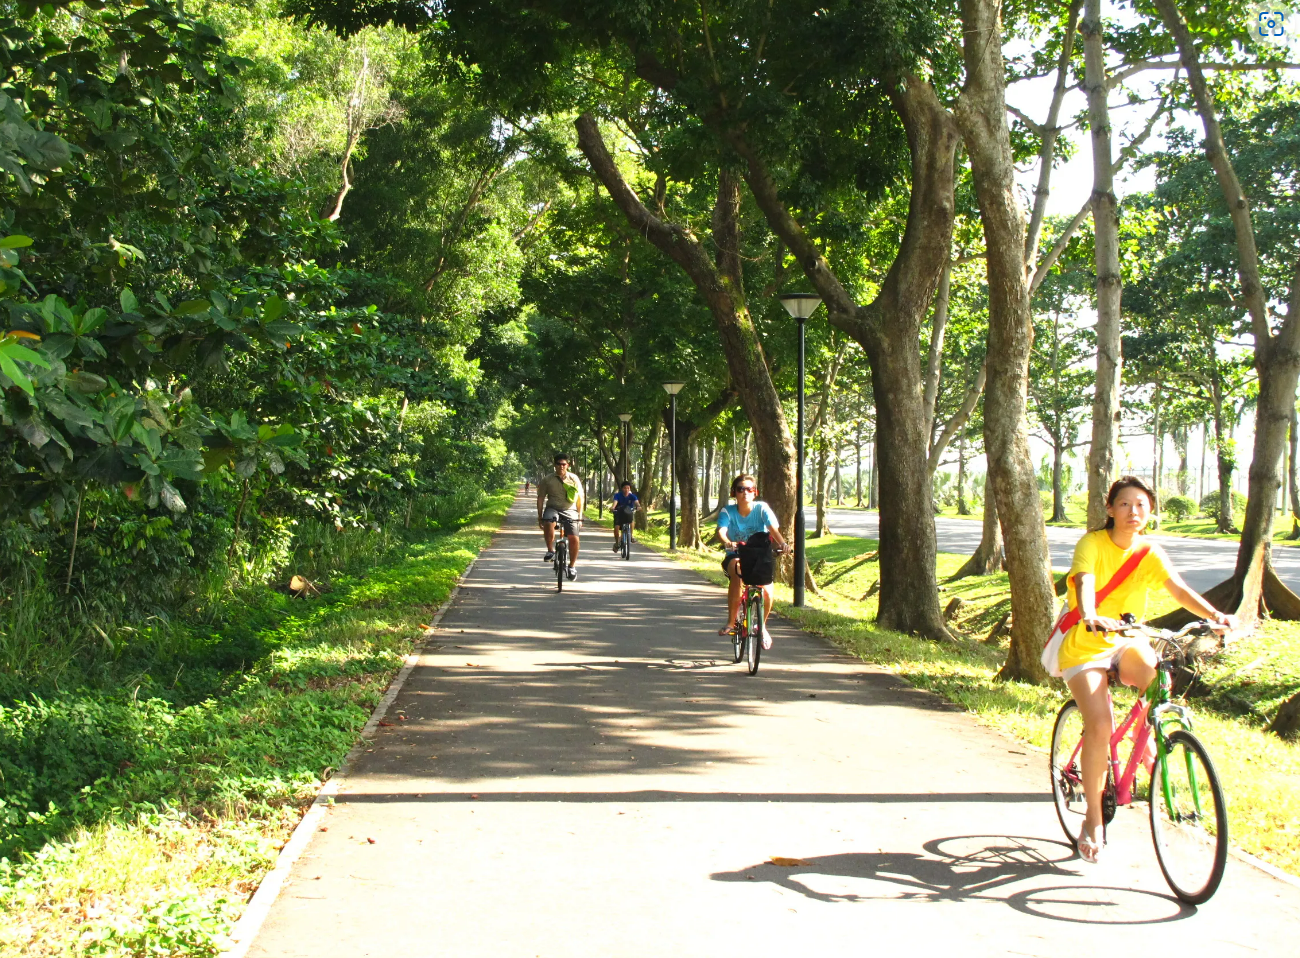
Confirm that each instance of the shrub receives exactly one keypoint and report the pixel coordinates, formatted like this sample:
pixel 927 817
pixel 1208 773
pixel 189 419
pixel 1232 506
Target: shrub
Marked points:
pixel 1178 508
pixel 1210 504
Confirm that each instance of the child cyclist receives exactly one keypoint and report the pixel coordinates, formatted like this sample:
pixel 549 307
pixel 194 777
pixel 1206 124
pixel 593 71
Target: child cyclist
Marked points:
pixel 736 523
pixel 1091 649
pixel 625 506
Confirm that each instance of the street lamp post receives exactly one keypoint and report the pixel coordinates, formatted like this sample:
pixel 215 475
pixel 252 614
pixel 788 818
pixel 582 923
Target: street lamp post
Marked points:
pixel 800 306
pixel 672 389
pixel 625 440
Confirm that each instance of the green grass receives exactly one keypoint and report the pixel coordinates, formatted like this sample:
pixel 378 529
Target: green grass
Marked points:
pixel 1261 773
pixel 158 856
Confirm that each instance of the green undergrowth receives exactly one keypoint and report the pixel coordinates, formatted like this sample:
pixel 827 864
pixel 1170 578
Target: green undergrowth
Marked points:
pixel 136 826
pixel 1261 773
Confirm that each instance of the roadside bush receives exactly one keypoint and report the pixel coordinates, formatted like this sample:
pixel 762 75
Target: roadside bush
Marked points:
pixel 1178 508
pixel 1210 504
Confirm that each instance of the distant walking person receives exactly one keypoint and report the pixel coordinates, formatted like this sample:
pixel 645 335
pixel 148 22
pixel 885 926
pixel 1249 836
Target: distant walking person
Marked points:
pixel 560 497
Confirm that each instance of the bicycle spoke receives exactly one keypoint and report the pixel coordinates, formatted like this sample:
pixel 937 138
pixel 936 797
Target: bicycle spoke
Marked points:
pixel 1066 771
pixel 1188 819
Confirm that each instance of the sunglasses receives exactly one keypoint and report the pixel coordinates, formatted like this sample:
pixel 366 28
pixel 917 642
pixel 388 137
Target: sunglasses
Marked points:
pixel 746 489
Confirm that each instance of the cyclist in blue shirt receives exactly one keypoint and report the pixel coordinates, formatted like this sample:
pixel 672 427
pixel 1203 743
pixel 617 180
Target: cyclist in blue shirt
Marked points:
pixel 736 523
pixel 626 503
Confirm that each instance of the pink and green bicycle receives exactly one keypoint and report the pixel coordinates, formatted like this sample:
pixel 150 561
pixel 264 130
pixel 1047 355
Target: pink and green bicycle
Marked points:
pixel 1189 824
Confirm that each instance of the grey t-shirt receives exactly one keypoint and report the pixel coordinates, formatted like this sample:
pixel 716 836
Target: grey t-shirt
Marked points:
pixel 561 494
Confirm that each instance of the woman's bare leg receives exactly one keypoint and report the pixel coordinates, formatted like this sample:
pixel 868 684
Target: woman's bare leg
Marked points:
pixel 1089 691
pixel 734 588
pixel 1137 666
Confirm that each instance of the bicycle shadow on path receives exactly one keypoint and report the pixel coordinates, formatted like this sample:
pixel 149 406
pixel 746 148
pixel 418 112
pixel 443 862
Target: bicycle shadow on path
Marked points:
pixel 970 868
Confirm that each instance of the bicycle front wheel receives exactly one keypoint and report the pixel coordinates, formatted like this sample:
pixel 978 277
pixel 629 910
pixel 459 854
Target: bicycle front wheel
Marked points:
pixel 627 542
pixel 754 631
pixel 561 562
pixel 1189 821
pixel 1067 770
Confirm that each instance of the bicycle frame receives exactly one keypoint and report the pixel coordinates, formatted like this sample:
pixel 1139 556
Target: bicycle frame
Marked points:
pixel 1150 713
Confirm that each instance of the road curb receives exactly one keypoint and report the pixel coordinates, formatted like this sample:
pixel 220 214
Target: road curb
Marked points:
pixel 259 906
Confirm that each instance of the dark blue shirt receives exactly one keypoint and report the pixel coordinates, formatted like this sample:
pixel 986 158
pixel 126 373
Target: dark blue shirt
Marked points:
pixel 625 502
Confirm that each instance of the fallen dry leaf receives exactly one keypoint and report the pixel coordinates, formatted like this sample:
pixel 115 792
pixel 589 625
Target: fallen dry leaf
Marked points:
pixel 787 862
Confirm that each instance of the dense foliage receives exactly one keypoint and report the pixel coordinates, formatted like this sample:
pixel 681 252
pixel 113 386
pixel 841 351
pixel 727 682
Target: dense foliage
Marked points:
pixel 205 385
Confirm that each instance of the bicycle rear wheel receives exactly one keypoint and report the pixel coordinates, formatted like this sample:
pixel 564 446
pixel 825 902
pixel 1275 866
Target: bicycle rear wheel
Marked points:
pixel 1067 771
pixel 754 630
pixel 1189 821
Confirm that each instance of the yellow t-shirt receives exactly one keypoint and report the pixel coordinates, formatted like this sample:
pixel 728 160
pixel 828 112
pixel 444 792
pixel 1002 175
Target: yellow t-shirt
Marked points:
pixel 1096 553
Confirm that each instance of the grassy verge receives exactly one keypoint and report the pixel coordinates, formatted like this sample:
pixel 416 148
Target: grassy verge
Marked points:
pixel 158 857
pixel 1261 773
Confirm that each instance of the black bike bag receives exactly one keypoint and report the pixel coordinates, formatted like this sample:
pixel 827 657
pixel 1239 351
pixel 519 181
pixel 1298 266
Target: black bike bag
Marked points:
pixel 757 561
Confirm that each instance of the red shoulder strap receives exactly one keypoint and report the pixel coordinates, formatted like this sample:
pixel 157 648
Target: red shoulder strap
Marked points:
pixel 1071 618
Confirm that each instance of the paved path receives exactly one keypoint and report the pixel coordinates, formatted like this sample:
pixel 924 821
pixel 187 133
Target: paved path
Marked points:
pixel 587 775
pixel 1202 562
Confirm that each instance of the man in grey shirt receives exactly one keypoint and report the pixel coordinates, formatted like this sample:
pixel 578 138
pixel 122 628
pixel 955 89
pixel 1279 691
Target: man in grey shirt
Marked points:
pixel 560 497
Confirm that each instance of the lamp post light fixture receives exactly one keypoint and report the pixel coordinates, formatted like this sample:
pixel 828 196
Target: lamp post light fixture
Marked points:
pixel 800 306
pixel 625 439
pixel 672 389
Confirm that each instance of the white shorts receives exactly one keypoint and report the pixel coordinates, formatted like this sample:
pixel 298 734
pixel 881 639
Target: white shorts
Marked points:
pixel 1107 660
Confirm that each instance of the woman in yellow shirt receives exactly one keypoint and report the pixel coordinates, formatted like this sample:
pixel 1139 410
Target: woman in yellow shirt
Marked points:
pixel 1091 648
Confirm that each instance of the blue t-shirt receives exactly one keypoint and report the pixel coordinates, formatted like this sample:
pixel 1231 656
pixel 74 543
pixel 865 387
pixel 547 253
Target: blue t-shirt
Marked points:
pixel 625 502
pixel 740 528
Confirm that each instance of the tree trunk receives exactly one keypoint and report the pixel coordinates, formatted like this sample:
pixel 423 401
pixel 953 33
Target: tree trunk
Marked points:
pixel 76 531
pixel 963 509
pixel 1277 355
pixel 649 466
pixel 708 478
pixel 688 478
pixel 823 489
pixel 987 557
pixel 873 488
pixel 721 287
pixel 857 462
pixel 1105 218
pixel 839 480
pixel 1156 447
pixel 1293 477
pixel 725 474
pixel 1058 493
pixel 934 361
pixel 1286 724
pixel 889 331
pixel 982 115
pixel 688 489
pixel 1182 439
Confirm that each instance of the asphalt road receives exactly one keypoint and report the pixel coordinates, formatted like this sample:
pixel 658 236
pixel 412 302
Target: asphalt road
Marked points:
pixel 586 774
pixel 1202 562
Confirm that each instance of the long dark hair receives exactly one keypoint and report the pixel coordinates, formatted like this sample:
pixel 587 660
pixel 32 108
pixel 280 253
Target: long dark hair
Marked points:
pixel 1118 486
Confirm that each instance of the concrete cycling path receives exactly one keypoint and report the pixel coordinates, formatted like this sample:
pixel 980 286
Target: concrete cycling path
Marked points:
pixel 588 775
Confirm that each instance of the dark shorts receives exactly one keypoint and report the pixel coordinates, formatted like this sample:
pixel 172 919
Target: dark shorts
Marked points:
pixel 623 518
pixel 727 558
pixel 571 522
